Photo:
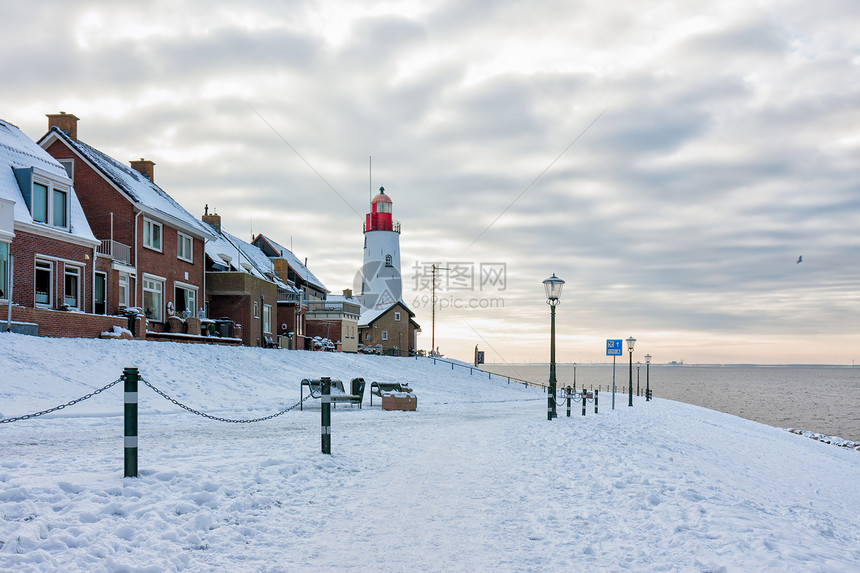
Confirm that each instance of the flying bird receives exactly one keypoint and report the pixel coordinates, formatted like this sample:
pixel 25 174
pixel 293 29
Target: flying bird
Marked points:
pixel 799 260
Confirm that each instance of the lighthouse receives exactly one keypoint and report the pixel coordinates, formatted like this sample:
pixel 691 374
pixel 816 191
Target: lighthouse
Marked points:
pixel 381 283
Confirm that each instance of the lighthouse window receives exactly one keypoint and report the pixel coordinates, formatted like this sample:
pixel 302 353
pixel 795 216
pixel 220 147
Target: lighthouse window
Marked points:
pixel 387 260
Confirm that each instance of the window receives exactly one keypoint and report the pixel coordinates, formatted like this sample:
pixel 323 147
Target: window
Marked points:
pixel 44 279
pixel 40 203
pixel 4 270
pixel 153 297
pixel 151 234
pixel 100 294
pixel 123 289
pixel 256 309
pixel 367 336
pixel 185 247
pixel 185 298
pixel 50 205
pixel 387 260
pixel 72 285
pixel 267 318
pixel 397 316
pixel 60 208
pixel 384 335
pixel 69 165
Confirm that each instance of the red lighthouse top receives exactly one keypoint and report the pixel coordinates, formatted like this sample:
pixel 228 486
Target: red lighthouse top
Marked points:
pixel 379 218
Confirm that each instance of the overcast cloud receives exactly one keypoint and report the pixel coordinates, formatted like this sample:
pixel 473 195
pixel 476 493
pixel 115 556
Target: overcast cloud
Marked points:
pixel 726 144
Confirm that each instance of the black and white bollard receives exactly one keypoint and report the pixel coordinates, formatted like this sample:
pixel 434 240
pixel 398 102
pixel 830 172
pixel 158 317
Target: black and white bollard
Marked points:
pixel 325 419
pixel 584 400
pixel 596 392
pixel 130 377
pixel 568 401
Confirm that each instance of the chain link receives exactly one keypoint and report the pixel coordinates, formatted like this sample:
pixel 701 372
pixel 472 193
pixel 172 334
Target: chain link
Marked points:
pixel 216 418
pixel 61 406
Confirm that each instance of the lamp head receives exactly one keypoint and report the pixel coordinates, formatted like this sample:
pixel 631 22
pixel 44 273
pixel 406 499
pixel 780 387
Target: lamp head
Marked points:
pixel 630 343
pixel 553 286
pixel 647 359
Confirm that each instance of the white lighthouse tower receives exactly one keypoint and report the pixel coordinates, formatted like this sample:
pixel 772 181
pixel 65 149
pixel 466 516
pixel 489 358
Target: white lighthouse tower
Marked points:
pixel 381 283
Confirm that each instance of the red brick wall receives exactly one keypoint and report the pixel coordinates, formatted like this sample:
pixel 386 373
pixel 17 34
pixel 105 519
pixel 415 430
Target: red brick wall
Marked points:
pixel 63 324
pixel 26 246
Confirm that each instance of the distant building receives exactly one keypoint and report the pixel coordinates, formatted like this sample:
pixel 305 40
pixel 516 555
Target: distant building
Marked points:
pixel 386 324
pixel 335 318
pixel 241 285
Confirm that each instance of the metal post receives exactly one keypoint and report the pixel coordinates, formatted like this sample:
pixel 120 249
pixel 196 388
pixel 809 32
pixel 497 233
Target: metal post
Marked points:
pixel 613 382
pixel 568 401
pixel 550 413
pixel 11 285
pixel 596 392
pixel 325 419
pixel 637 379
pixel 630 402
pixel 584 400
pixel 130 377
pixel 648 382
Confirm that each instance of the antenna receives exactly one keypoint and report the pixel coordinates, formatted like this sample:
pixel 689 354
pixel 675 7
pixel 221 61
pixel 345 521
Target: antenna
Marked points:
pixel 369 179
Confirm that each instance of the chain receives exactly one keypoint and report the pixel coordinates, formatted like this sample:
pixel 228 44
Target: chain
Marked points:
pixel 216 418
pixel 61 406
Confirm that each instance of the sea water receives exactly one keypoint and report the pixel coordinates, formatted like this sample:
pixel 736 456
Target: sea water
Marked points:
pixel 824 399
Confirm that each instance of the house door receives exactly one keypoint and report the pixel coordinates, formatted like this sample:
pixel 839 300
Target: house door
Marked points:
pixel 100 294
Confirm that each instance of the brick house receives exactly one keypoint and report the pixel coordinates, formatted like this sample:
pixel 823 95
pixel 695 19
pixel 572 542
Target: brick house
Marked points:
pixel 241 285
pixel 391 330
pixel 47 248
pixel 288 267
pixel 151 250
pixel 335 318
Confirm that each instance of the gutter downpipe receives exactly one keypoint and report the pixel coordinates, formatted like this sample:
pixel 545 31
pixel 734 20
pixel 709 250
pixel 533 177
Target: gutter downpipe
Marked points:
pixel 11 289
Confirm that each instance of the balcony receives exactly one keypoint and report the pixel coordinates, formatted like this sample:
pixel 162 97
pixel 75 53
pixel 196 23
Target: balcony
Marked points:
pixel 287 296
pixel 115 250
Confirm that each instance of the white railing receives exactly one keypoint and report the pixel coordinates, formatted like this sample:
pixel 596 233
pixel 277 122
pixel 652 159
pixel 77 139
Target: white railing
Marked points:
pixel 116 250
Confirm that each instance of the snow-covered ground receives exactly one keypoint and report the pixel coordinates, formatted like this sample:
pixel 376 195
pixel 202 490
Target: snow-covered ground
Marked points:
pixel 476 479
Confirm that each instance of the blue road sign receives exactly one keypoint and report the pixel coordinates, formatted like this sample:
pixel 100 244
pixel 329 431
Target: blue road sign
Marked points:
pixel 613 347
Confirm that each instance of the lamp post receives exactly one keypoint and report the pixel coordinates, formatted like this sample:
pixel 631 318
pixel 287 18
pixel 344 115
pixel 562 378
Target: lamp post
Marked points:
pixel 553 286
pixel 630 343
pixel 574 376
pixel 638 364
pixel 647 377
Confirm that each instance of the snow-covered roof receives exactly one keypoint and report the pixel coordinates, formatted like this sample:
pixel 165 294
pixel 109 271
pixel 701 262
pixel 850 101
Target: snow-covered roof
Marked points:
pixel 294 262
pixel 143 192
pixel 371 314
pixel 237 255
pixel 17 151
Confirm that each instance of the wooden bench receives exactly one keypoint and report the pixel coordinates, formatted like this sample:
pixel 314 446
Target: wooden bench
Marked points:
pixel 380 388
pixel 338 393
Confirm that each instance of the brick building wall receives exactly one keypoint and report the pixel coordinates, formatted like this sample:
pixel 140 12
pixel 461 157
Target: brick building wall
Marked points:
pixel 233 294
pixel 27 247
pixel 62 324
pixel 400 333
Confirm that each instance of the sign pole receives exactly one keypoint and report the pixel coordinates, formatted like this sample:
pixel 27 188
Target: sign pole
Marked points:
pixel 613 382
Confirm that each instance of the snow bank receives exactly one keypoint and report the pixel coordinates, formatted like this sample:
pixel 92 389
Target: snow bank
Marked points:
pixel 476 479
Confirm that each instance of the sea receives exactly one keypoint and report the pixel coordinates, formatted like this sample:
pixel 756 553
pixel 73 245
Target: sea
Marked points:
pixel 822 399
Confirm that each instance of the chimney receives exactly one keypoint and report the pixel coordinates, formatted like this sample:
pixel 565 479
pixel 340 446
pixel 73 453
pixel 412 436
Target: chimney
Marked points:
pixel 213 219
pixel 347 293
pixel 145 167
pixel 65 122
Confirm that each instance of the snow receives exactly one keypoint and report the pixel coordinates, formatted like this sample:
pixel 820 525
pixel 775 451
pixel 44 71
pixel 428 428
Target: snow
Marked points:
pixel 19 151
pixel 476 479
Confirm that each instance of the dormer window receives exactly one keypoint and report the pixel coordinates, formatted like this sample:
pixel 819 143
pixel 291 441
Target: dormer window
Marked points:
pixel 47 197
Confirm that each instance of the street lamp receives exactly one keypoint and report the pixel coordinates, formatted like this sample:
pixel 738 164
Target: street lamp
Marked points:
pixel 647 377
pixel 630 343
pixel 574 376
pixel 553 286
pixel 638 364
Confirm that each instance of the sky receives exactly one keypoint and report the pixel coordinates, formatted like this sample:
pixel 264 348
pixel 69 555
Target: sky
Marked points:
pixel 669 162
